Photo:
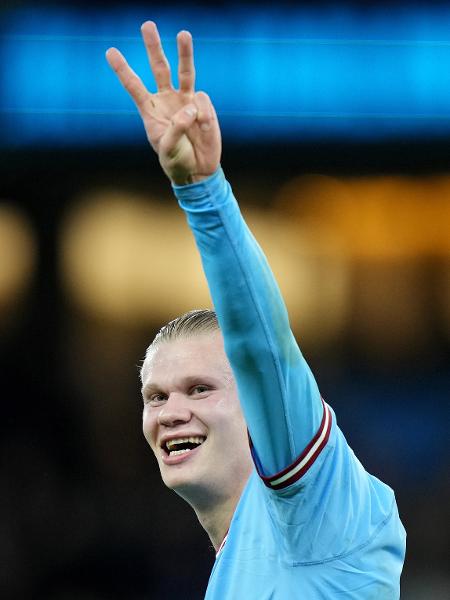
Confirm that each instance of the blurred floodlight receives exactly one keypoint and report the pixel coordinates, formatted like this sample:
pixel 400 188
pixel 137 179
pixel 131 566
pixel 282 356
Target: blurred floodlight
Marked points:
pixel 389 228
pixel 132 260
pixel 129 259
pixel 375 217
pixel 17 254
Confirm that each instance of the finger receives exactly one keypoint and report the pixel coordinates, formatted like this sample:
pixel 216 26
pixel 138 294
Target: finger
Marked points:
pixel 206 113
pixel 158 61
pixel 180 123
pixel 128 78
pixel 186 68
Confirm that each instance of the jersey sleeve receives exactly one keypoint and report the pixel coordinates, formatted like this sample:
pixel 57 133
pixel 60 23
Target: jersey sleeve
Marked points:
pixel 287 420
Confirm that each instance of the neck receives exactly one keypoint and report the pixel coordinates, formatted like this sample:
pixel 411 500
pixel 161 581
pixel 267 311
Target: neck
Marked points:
pixel 216 521
pixel 215 514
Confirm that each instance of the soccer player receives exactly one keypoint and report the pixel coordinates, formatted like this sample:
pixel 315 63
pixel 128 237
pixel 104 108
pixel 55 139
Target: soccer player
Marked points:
pixel 231 409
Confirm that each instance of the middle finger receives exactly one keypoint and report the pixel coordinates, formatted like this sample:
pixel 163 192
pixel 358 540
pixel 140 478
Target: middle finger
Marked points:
pixel 158 61
pixel 186 68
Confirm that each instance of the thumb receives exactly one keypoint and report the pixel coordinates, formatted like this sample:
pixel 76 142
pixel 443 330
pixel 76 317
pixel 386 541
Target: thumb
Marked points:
pixel 180 123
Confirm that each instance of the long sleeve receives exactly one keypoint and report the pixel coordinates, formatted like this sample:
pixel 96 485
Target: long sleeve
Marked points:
pixel 278 394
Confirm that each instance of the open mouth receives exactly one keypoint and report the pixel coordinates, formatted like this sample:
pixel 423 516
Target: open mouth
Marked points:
pixel 182 445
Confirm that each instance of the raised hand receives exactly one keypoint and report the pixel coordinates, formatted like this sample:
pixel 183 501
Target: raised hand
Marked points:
pixel 181 125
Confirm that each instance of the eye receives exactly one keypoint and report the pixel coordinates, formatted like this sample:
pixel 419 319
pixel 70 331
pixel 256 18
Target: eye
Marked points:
pixel 155 399
pixel 199 389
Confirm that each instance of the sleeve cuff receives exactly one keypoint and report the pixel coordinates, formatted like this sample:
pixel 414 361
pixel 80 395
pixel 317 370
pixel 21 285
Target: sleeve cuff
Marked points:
pixel 212 186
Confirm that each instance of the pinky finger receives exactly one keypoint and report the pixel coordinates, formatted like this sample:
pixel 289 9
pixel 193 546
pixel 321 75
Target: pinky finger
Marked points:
pixel 127 77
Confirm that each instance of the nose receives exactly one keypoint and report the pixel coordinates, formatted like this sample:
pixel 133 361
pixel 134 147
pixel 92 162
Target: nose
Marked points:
pixel 175 411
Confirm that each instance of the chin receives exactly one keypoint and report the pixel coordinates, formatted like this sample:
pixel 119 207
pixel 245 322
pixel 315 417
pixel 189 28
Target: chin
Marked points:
pixel 191 489
pixel 178 481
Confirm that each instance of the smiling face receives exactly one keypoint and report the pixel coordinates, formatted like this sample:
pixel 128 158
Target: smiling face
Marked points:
pixel 192 418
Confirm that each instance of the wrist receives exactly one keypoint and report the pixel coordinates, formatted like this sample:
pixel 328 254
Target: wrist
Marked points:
pixel 197 187
pixel 187 179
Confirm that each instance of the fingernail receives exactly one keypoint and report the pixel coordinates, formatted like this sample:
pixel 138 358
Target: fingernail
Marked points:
pixel 205 126
pixel 191 111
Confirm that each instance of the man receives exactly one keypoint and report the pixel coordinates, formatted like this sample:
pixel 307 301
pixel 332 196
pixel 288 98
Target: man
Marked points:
pixel 306 521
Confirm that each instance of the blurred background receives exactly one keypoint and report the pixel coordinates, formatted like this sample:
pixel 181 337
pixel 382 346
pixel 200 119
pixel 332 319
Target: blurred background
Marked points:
pixel 336 126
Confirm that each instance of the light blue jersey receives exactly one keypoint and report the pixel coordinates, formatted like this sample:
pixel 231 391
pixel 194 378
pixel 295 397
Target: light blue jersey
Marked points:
pixel 311 522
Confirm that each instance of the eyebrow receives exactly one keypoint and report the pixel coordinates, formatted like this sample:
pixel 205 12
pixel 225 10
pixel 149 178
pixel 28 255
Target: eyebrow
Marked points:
pixel 149 388
pixel 185 382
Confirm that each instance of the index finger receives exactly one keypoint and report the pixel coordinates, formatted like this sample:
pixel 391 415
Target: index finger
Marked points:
pixel 128 78
pixel 158 61
pixel 186 68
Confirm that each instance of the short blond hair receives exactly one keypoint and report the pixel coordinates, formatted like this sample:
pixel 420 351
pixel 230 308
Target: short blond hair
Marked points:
pixel 192 323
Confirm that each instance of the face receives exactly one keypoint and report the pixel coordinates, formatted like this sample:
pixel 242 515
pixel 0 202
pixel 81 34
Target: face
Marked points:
pixel 192 418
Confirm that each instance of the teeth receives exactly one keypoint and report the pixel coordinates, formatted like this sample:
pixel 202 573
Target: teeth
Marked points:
pixel 180 451
pixel 193 440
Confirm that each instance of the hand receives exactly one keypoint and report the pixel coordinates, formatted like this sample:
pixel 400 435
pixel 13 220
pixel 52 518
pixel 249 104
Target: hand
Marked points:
pixel 181 125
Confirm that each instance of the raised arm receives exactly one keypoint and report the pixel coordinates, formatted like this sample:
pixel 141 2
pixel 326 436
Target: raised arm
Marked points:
pixel 286 418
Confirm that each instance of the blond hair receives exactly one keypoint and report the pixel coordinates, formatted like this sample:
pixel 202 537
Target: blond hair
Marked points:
pixel 192 323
